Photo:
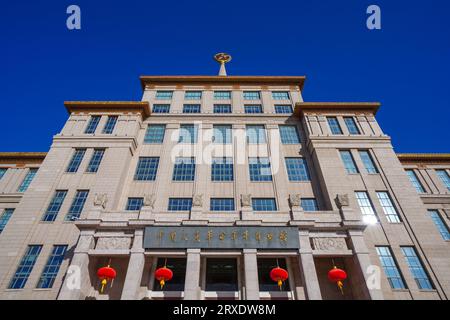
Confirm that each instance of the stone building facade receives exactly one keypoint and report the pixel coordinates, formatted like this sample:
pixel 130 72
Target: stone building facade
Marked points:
pixel 222 178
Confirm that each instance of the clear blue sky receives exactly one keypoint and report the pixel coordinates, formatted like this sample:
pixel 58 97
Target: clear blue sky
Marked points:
pixel 405 65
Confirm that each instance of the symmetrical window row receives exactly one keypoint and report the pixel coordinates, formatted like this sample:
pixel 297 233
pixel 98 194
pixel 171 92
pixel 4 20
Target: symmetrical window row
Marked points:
pixel 350 164
pixel 222 108
pixel 368 211
pixel 336 129
pixel 441 173
pixel 107 129
pixel 57 201
pixel 221 95
pixel 78 156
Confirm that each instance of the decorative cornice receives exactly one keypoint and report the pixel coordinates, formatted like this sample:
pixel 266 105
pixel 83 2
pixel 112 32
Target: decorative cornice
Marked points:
pixel 141 107
pixel 22 158
pixel 429 158
pixel 339 107
pixel 220 80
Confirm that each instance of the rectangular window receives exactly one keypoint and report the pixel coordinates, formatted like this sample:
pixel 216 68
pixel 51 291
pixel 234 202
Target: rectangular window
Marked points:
pixel 416 268
pixel 51 268
pixel 222 108
pixel 349 162
pixel 388 207
pixel 191 108
pixel 27 180
pixel 283 108
pixel 77 205
pixel 110 125
pixel 25 267
pixel 76 160
pixel 351 125
pixel 390 268
pixel 222 95
pixel 264 204
pixel 334 125
pixel 254 108
pixel 54 206
pixel 134 204
pixel 280 95
pixel 440 224
pixel 188 133
pixel 222 204
pixel 366 207
pixel 222 134
pixel 146 169
pixel 289 134
pixel 95 161
pixel 164 95
pixel 2 172
pixel 297 169
pixel 367 160
pixel 415 181
pixel 161 108
pixel 184 169
pixel 92 125
pixel 222 169
pixel 309 204
pixel 256 134
pixel 193 95
pixel 252 95
pixel 180 204
pixel 155 133
pixel 4 218
pixel 445 178
pixel 259 169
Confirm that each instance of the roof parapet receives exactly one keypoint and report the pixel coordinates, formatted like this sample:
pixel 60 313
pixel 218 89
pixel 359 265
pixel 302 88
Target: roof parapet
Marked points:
pixel 339 107
pixel 141 107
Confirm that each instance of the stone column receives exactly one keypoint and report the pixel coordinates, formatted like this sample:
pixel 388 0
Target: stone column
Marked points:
pixel 77 281
pixel 135 268
pixel 191 284
pixel 251 275
pixel 308 268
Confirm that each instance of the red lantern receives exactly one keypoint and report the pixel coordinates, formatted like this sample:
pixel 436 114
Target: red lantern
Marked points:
pixel 337 275
pixel 105 274
pixel 163 274
pixel 279 275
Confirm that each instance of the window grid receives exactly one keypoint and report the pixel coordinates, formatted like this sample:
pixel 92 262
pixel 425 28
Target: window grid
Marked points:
pixel 55 205
pixel 2 172
pixel 415 181
pixel 155 133
pixel 222 95
pixel 184 169
pixel 52 266
pixel 264 204
pixel 256 134
pixel 416 268
pixel 193 95
pixel 77 205
pixel 445 178
pixel 27 180
pixel 289 134
pixel 4 218
pixel 95 161
pixel 283 108
pixel 161 108
pixel 146 169
pixel 222 134
pixel 252 95
pixel 366 206
pixel 164 95
pixel 351 125
pixel 309 204
pixel 367 160
pixel 222 204
pixel 92 125
pixel 334 125
pixel 388 207
pixel 191 108
pixel 25 267
pixel 259 169
pixel 222 169
pixel 180 204
pixel 297 169
pixel 280 95
pixel 110 125
pixel 440 224
pixel 76 160
pixel 222 108
pixel 390 268
pixel 255 108
pixel 349 162
pixel 188 133
pixel 134 204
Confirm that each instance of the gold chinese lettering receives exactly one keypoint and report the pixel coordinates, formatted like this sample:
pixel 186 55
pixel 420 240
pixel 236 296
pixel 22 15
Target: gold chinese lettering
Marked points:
pixel 173 235
pixel 258 236
pixel 245 235
pixel 234 235
pixel 197 236
pixel 222 236
pixel 209 235
pixel 283 236
pixel 269 236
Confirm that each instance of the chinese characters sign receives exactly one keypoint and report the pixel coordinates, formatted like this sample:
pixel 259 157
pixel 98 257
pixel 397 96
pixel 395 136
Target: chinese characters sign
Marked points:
pixel 181 237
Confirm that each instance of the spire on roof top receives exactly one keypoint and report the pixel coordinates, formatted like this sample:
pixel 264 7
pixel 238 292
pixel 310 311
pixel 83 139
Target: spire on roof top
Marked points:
pixel 222 58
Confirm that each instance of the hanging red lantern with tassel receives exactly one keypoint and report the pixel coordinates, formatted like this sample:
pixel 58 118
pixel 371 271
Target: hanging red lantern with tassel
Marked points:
pixel 338 276
pixel 162 275
pixel 279 275
pixel 106 274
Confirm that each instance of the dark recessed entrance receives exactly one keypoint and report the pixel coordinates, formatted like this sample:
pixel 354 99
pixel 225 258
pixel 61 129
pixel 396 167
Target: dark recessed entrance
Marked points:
pixel 178 267
pixel 221 274
pixel 265 265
